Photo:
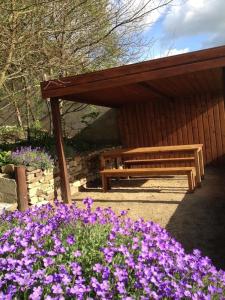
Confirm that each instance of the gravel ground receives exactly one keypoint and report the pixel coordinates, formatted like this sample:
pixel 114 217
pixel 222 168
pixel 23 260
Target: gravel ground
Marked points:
pixel 197 220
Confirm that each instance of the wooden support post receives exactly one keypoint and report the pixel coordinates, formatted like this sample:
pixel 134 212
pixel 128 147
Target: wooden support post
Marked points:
pixel 57 128
pixel 21 183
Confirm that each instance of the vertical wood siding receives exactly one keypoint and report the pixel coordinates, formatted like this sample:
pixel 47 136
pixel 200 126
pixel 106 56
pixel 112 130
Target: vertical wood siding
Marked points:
pixel 200 119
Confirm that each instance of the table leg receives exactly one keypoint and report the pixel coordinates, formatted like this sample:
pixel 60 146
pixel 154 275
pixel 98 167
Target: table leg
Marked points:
pixel 105 183
pixel 197 166
pixel 201 161
pixel 190 182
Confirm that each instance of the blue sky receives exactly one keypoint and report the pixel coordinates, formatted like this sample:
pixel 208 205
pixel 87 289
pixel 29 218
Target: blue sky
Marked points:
pixel 188 25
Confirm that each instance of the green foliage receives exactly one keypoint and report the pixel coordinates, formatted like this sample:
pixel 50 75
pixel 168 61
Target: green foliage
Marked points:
pixel 5 158
pixel 10 134
pixel 89 239
pixel 36 129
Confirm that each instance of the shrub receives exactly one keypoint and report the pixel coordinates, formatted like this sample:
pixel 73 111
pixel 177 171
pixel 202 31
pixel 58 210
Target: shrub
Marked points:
pixel 32 157
pixel 5 158
pixel 63 252
pixel 9 134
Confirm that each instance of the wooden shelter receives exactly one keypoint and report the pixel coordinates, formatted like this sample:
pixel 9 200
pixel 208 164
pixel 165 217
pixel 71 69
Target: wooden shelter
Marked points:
pixel 166 101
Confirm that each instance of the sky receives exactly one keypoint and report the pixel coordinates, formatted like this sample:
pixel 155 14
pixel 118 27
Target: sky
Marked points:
pixel 187 25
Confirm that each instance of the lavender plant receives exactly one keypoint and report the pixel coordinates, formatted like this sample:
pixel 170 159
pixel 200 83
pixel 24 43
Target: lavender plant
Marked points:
pixel 64 252
pixel 33 157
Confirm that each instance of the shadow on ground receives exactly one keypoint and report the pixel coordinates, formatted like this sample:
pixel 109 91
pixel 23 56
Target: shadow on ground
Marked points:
pixel 196 220
pixel 199 220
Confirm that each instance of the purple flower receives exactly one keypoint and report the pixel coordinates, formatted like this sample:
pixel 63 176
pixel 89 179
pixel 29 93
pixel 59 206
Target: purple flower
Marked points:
pixel 70 239
pixel 77 253
pixel 37 293
pixel 57 289
pixel 88 202
pixel 76 268
pixel 118 258
pixel 34 157
pixel 98 268
pixel 48 261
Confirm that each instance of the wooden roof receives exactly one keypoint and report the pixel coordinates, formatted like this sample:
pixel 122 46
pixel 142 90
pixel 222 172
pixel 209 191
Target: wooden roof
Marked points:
pixel 180 75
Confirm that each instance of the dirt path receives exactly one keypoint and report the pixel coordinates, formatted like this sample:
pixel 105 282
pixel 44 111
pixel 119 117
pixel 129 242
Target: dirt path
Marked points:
pixel 196 220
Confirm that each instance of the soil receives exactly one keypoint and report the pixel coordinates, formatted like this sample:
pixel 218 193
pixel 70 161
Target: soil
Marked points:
pixel 196 220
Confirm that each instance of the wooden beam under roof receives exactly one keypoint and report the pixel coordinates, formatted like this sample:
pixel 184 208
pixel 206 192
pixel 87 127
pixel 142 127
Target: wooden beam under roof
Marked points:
pixel 145 71
pixel 154 90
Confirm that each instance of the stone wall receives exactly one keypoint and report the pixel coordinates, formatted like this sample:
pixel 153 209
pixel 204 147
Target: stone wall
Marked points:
pixel 44 186
pixel 40 185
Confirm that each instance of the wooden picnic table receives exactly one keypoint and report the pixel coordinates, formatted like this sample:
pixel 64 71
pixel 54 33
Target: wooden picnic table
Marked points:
pixel 193 149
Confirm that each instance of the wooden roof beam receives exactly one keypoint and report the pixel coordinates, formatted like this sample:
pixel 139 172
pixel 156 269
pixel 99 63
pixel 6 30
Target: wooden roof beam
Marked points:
pixel 74 98
pixel 125 75
pixel 155 90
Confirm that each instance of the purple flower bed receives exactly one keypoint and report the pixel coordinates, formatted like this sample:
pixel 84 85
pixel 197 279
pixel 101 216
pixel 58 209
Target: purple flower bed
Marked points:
pixel 33 157
pixel 63 252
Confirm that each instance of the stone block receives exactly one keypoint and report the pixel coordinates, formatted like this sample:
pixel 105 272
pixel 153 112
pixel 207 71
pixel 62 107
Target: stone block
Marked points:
pixel 76 183
pixel 7 185
pixel 30 169
pixel 39 192
pixel 38 176
pixel 74 189
pixel 83 181
pixel 7 207
pixel 72 164
pixel 48 172
pixel 8 198
pixel 35 171
pixel 34 200
pixel 8 169
pixel 34 180
pixel 41 202
pixel 30 176
pixel 32 192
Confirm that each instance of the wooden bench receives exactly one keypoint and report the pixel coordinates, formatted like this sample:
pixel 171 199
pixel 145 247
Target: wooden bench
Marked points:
pixel 112 173
pixel 158 160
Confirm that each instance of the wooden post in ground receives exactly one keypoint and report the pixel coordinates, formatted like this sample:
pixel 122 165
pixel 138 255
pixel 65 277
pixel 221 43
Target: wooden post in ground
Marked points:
pixel 57 128
pixel 21 183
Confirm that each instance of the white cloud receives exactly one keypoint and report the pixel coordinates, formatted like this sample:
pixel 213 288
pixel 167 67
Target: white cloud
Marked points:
pixel 193 17
pixel 170 52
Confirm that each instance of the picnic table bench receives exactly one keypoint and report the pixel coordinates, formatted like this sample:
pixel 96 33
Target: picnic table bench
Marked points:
pixel 108 173
pixel 133 157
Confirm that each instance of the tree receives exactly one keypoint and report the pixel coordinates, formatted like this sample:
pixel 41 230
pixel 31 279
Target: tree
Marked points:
pixel 42 39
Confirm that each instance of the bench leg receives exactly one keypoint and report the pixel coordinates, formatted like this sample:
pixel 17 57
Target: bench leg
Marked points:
pixel 105 183
pixel 191 184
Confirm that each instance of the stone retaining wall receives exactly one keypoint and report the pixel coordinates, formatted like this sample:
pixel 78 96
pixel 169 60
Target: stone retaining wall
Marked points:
pixel 45 185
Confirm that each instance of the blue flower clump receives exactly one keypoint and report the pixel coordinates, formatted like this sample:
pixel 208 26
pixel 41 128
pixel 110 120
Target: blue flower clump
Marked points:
pixel 63 252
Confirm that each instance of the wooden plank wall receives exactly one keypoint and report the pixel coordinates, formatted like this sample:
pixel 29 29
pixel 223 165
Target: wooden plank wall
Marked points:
pixel 199 119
